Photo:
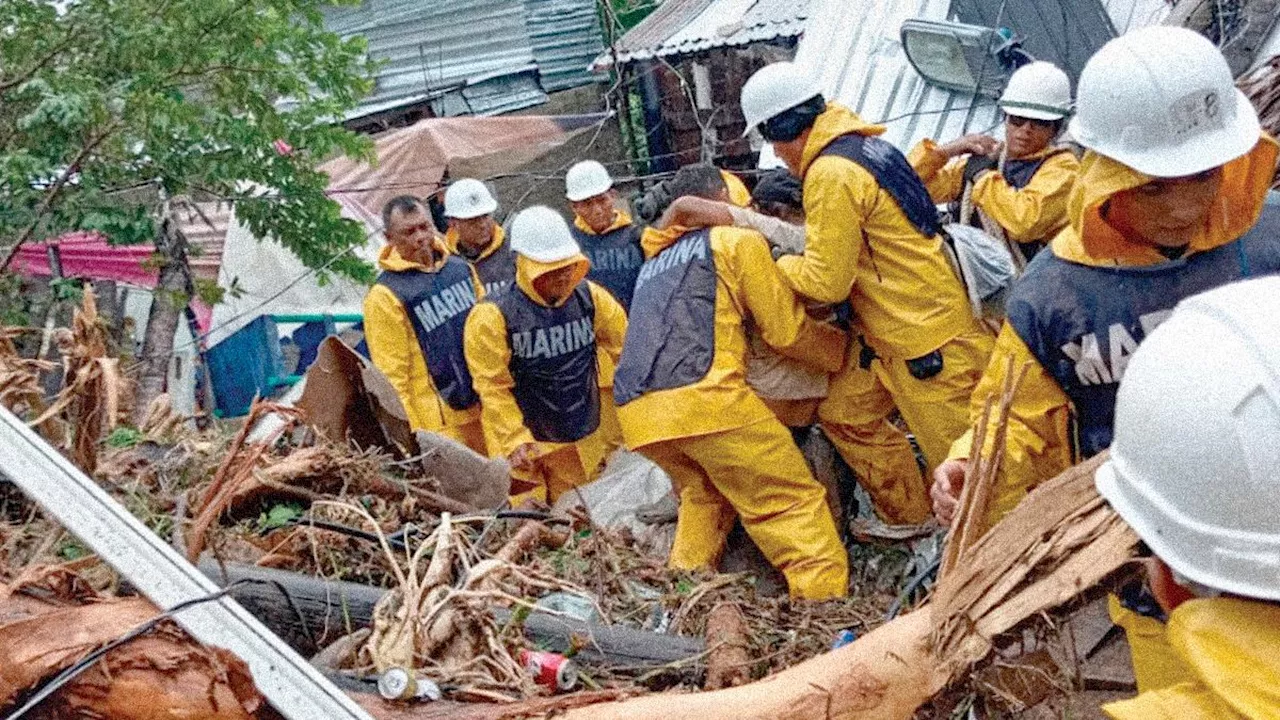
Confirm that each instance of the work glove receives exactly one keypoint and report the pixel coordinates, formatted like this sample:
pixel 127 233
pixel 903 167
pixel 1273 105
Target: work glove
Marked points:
pixel 976 165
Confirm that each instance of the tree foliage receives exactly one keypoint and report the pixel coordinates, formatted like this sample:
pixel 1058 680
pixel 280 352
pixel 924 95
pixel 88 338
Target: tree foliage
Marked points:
pixel 107 105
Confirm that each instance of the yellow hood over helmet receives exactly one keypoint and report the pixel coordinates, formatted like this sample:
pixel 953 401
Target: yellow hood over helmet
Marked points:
pixel 528 270
pixel 1090 240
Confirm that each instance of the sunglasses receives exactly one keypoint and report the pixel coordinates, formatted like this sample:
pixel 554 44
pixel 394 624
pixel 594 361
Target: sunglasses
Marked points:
pixel 1017 121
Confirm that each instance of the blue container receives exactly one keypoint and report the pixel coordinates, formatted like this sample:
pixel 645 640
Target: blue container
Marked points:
pixel 844 637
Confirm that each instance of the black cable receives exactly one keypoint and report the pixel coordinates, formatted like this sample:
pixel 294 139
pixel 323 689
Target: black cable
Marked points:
pixel 929 572
pixel 66 676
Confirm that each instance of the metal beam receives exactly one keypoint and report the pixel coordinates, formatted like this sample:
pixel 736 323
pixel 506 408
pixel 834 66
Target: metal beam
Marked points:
pixel 287 680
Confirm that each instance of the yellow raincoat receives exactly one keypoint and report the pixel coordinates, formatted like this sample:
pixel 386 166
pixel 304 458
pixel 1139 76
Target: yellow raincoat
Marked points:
pixel 395 351
pixel 1040 443
pixel 1228 647
pixel 559 467
pixel 1041 439
pixel 612 432
pixel 726 452
pixel 908 302
pixel 1033 213
pixel 738 193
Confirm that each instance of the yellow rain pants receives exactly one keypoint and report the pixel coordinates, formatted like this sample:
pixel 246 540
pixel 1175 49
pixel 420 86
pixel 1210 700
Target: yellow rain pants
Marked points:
pixel 755 472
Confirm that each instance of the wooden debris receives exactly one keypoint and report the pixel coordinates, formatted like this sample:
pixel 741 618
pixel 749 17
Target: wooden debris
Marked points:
pixel 728 658
pixel 49 620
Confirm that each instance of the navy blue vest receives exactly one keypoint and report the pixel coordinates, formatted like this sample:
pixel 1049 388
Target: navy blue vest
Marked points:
pixel 437 305
pixel 891 170
pixel 553 363
pixel 1083 323
pixel 1018 173
pixel 615 260
pixel 497 271
pixel 671 335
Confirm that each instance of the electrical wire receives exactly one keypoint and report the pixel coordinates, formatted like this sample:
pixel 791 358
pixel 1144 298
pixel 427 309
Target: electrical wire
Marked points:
pixel 69 674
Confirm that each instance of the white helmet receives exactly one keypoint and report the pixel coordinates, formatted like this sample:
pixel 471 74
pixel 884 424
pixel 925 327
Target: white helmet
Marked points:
pixel 1039 90
pixel 586 179
pixel 774 89
pixel 1161 101
pixel 540 233
pixel 468 198
pixel 1195 463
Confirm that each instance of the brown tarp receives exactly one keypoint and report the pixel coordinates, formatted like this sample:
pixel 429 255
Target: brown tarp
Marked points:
pixel 414 160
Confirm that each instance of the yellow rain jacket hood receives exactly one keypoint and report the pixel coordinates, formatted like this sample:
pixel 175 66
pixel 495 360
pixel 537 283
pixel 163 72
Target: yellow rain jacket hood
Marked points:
pixel 861 246
pixel 1040 441
pixel 489 355
pixel 395 350
pixel 495 242
pixel 621 219
pixel 1229 647
pixel 1092 241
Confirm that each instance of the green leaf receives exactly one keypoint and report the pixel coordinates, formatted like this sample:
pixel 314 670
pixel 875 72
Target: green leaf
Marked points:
pixel 124 437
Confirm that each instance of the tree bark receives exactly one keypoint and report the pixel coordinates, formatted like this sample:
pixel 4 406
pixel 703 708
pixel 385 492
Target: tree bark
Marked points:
pixel 173 292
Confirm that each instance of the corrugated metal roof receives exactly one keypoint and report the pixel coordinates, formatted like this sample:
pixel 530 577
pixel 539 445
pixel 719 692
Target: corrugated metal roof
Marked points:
pixel 679 27
pixel 566 37
pixel 434 46
pixel 859 56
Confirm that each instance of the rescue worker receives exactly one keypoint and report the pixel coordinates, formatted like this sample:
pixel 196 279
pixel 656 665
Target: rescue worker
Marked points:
pixel 611 242
pixel 1171 201
pixel 413 322
pixel 790 388
pixel 532 353
pixel 684 403
pixel 607 236
pixel 1024 193
pixel 872 238
pixel 473 234
pixel 1193 471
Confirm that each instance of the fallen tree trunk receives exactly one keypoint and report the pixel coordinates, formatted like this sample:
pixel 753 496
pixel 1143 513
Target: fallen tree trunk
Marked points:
pixel 1062 540
pixel 332 609
pixel 885 675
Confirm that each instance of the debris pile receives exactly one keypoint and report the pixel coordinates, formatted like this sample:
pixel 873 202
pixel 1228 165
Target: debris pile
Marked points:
pixel 50 620
pixel 463 598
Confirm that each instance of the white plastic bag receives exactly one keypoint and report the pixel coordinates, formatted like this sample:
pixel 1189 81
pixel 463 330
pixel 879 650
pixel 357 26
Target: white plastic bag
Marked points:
pixel 987 268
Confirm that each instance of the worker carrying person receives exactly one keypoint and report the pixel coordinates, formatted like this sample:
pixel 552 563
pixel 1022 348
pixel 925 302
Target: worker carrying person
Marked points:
pixel 872 238
pixel 473 234
pixel 684 403
pixel 1193 470
pixel 413 322
pixel 531 350
pixel 790 388
pixel 1021 186
pixel 1172 200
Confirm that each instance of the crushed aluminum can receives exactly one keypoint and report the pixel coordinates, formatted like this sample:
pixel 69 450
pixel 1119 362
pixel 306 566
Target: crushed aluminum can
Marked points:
pixel 398 683
pixel 550 670
pixel 844 637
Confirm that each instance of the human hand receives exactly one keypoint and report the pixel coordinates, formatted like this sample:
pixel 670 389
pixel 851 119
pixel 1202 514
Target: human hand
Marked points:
pixel 973 144
pixel 523 457
pixel 948 481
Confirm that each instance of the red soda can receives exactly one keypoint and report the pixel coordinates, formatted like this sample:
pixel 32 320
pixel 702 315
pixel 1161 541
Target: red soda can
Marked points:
pixel 550 670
